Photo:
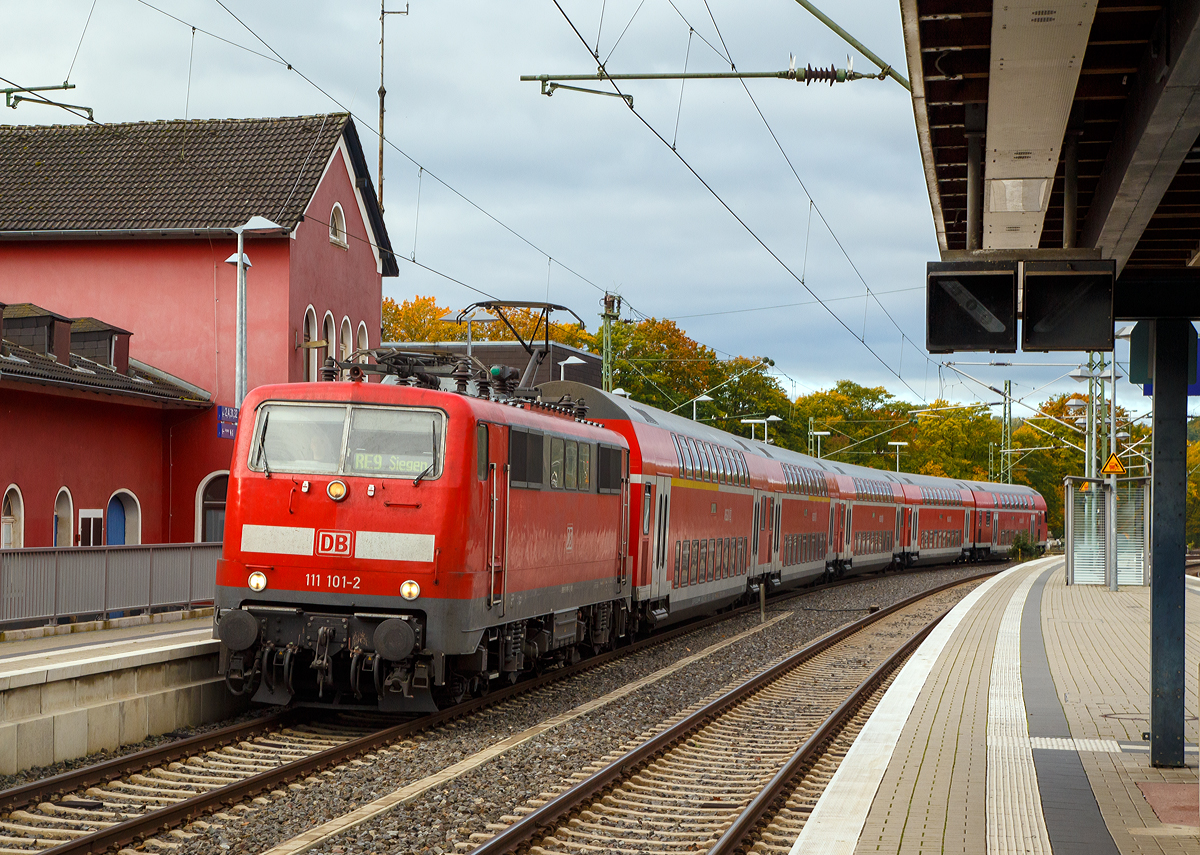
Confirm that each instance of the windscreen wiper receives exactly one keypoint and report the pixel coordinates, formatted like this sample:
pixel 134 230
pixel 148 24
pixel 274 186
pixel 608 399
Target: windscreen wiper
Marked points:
pixel 262 444
pixel 424 472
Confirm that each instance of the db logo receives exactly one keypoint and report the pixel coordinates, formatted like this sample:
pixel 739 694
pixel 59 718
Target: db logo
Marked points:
pixel 334 542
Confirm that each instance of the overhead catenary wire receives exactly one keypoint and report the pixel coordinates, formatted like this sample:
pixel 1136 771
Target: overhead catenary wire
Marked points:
pixel 812 202
pixel 746 226
pixel 279 59
pixel 783 305
pixel 91 11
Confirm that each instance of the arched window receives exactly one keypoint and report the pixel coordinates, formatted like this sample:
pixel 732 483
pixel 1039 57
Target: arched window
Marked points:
pixel 310 354
pixel 12 519
pixel 346 339
pixel 330 336
pixel 362 343
pixel 337 226
pixel 64 515
pixel 212 508
pixel 123 525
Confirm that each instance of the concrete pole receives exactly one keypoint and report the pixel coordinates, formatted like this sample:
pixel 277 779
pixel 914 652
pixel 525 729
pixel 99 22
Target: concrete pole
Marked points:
pixel 239 383
pixel 1167 545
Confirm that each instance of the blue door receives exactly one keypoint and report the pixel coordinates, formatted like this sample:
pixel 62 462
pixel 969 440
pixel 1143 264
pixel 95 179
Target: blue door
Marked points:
pixel 116 522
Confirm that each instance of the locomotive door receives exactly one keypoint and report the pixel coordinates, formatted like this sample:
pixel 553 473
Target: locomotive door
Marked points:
pixel 660 584
pixel 498 485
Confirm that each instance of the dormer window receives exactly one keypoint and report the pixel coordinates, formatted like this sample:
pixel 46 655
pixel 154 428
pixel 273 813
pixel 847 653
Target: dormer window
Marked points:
pixel 337 226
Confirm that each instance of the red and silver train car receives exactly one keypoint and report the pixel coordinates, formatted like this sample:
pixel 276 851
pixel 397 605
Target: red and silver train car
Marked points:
pixel 401 546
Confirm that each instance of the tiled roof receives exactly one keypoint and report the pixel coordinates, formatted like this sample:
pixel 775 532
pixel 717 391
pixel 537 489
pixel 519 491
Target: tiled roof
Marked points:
pixel 198 174
pixel 82 325
pixel 29 310
pixel 29 366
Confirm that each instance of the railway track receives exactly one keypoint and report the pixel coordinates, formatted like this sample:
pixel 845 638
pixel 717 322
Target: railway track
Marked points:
pixel 711 780
pixel 128 799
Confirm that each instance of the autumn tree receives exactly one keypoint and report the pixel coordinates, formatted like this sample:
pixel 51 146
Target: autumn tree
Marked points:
pixel 419 319
pixel 861 420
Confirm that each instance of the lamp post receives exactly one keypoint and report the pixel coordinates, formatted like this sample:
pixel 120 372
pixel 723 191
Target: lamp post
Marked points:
pixel 562 366
pixel 818 434
pixel 695 401
pixel 897 444
pixel 766 422
pixel 255 225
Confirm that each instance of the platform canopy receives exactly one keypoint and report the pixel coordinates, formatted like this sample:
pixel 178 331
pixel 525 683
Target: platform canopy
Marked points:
pixel 1033 77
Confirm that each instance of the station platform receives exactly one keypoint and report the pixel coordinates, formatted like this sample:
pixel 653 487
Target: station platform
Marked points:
pixel 70 695
pixel 1017 727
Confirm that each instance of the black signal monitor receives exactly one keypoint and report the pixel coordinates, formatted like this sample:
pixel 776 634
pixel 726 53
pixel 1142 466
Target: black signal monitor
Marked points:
pixel 1068 305
pixel 971 305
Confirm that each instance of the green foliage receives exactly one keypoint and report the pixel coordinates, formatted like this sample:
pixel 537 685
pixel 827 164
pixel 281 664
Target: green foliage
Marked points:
pixel 1023 547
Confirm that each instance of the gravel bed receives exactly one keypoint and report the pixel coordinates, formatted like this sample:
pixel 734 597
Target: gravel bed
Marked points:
pixel 441 818
pixel 38 773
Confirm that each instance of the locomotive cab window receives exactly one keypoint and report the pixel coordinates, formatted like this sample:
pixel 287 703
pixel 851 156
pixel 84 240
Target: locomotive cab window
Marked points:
pixel 329 440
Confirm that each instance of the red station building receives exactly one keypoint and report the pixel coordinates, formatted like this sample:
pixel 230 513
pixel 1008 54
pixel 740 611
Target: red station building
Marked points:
pixel 117 372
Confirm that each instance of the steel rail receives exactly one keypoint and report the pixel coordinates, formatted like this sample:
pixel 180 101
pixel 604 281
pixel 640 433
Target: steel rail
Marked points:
pixel 550 813
pixel 735 837
pixel 39 791
pixel 174 815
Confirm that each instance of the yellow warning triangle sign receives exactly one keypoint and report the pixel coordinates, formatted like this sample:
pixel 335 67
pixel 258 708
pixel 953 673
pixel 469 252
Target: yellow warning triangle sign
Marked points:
pixel 1113 466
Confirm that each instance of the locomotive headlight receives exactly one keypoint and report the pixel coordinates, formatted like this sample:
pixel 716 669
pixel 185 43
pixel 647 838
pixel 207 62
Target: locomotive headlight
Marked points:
pixel 336 490
pixel 410 590
pixel 257 580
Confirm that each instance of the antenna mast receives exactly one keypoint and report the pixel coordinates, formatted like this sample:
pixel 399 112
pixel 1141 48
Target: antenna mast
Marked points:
pixel 383 13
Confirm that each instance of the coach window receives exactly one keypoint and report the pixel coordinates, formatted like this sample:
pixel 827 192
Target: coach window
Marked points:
pixel 647 507
pixel 701 460
pixel 688 461
pixel 686 566
pixel 678 550
pixel 678 453
pixel 571 465
pixel 556 463
pixel 722 466
pixel 64 514
pixel 711 463
pixel 12 520
pixel 212 509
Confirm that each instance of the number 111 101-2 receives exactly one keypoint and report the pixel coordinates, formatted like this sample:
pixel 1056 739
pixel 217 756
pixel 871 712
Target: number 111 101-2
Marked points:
pixel 333 582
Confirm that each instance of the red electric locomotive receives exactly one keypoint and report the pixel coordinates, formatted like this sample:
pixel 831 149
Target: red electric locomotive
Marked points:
pixel 385 543
pixel 403 545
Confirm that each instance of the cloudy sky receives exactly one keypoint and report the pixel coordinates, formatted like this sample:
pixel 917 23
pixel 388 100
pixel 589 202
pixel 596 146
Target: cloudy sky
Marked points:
pixel 579 176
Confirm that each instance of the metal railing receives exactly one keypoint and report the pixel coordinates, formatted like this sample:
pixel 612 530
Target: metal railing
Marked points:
pixel 48 585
